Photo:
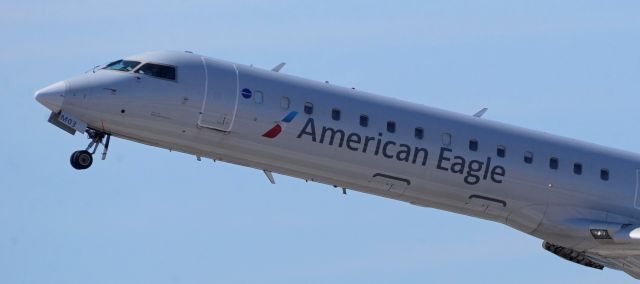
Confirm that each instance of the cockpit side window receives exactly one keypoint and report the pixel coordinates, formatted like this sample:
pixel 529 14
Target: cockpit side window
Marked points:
pixel 122 65
pixel 159 71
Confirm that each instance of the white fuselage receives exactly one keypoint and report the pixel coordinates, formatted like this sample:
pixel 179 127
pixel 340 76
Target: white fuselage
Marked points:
pixel 460 163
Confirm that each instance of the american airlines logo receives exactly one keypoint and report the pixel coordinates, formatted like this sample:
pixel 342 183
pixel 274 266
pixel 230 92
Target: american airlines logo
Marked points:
pixel 277 129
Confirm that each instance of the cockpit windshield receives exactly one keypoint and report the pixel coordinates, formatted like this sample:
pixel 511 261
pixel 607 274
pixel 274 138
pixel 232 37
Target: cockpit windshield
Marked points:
pixel 122 65
pixel 158 71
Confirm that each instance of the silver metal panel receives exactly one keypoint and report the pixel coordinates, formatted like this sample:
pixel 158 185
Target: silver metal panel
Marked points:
pixel 220 102
pixel 637 201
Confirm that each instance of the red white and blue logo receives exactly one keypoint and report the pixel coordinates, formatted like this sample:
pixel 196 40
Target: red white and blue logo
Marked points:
pixel 277 129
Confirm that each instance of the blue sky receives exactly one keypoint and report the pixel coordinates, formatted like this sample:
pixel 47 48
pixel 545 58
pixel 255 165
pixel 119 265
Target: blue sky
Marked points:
pixel 146 215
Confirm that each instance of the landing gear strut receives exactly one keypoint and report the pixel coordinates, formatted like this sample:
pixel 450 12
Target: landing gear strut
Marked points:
pixel 82 159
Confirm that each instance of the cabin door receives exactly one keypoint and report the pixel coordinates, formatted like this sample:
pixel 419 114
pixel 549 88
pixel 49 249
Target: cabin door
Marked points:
pixel 220 101
pixel 637 198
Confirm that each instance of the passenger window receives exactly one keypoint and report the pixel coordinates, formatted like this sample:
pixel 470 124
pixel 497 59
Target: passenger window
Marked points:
pixel 258 97
pixel 604 174
pixel 473 145
pixel 577 168
pixel 419 133
pixel 528 157
pixel 335 114
pixel 501 151
pixel 446 139
pixel 364 120
pixel 308 108
pixel 158 71
pixel 285 103
pixel 553 163
pixel 391 126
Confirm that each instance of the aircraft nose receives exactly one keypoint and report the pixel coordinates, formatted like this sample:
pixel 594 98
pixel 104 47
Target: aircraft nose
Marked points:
pixel 52 96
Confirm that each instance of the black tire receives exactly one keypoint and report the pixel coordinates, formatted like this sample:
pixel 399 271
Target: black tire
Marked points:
pixel 81 160
pixel 72 160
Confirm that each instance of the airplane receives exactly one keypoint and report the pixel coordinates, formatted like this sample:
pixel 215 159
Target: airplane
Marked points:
pixel 581 200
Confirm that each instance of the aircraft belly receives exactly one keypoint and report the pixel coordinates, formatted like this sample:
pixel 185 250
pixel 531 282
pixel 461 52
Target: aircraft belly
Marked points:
pixel 378 181
pixel 335 173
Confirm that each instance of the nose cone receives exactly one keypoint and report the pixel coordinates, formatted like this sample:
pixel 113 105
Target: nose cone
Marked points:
pixel 52 96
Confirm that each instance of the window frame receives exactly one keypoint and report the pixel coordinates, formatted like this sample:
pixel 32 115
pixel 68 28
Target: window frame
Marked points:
pixel 364 118
pixel 528 157
pixel 285 102
pixel 258 94
pixel 336 114
pixel 474 145
pixel 577 168
pixel 391 126
pixel 447 138
pixel 554 163
pixel 140 63
pixel 501 151
pixel 605 174
pixel 309 106
pixel 175 70
pixel 420 131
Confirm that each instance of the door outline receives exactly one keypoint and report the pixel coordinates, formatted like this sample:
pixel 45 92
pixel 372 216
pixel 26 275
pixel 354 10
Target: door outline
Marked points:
pixel 206 97
pixel 636 202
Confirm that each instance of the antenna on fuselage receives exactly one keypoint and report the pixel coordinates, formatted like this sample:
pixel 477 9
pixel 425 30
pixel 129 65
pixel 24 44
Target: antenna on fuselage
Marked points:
pixel 278 67
pixel 269 176
pixel 480 112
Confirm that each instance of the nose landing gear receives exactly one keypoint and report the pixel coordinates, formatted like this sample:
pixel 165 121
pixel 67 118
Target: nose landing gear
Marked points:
pixel 82 159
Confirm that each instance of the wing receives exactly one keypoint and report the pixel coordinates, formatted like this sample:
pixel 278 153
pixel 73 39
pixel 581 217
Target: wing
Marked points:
pixel 627 263
pixel 627 260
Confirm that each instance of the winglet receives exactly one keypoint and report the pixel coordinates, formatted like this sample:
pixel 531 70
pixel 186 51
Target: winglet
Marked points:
pixel 480 112
pixel 278 67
